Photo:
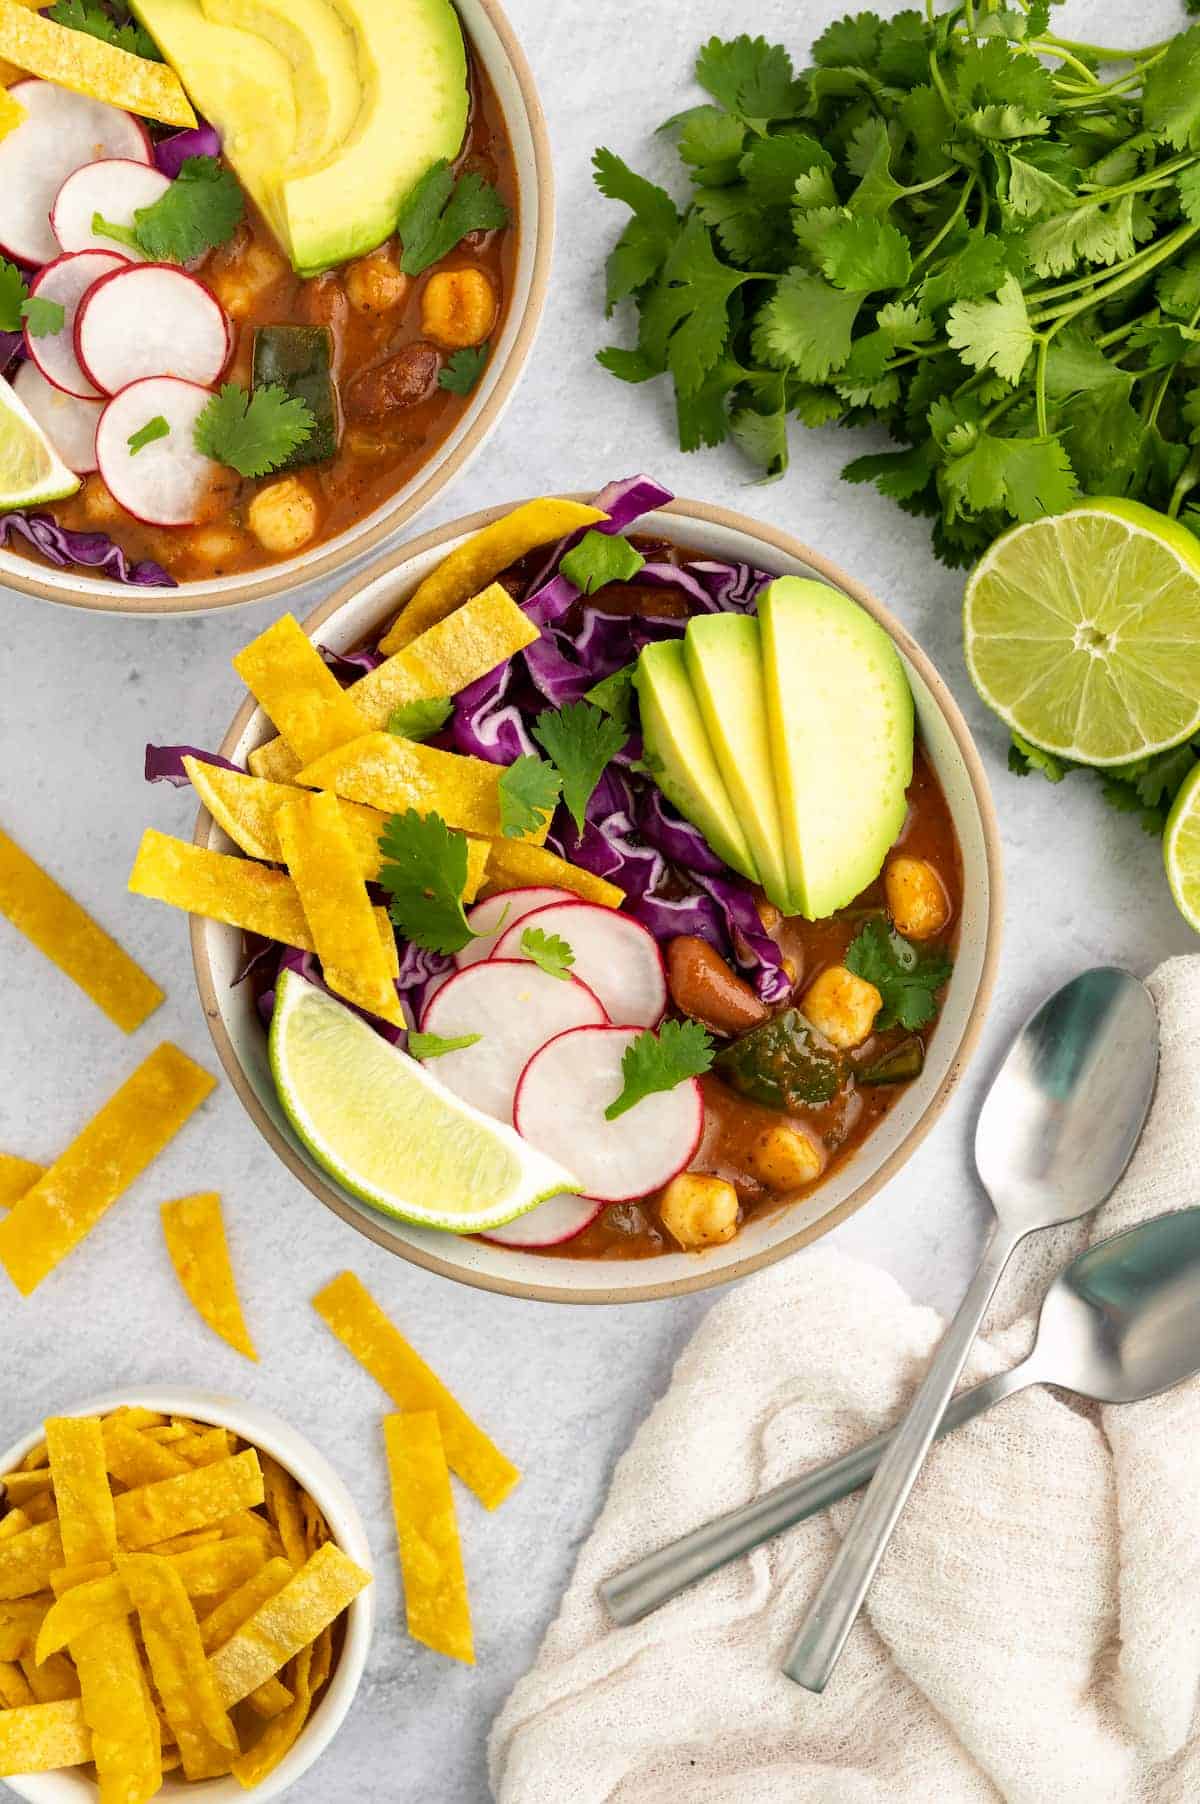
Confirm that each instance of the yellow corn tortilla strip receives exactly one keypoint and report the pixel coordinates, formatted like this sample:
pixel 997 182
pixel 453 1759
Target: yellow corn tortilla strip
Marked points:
pixel 21 1621
pixel 205 1445
pixel 15 1689
pixel 89 66
pixel 270 1699
pixel 396 774
pixel 40 1508
pixel 291 682
pixel 16 1177
pixel 312 1598
pixel 201 1537
pixel 52 1679
pixel 246 807
pixel 223 1622
pixel 133 1458
pixel 322 1659
pixel 283 1507
pixel 320 858
pixel 435 1585
pixel 252 1767
pixel 194 1230
pixel 205 1571
pixel 347 1307
pixel 64 932
pixel 117 1708
pixel 28 1559
pixel 246 1522
pixel 14 1523
pixel 515 864
pixel 179 1666
pixel 100 1164
pixel 68 1577
pixel 481 558
pixel 316 1529
pixel 86 1519
pixel 195 1499
pixel 21 1486
pixel 40 1738
pixel 11 113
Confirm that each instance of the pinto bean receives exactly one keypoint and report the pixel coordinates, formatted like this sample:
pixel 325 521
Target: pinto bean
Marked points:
pixel 399 381
pixel 703 986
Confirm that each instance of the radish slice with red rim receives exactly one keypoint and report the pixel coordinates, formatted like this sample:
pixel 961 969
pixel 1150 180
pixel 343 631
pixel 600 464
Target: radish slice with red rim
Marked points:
pixel 614 955
pixel 67 280
pixel 151 319
pixel 115 188
pixel 514 1007
pixel 560 1103
pixel 166 482
pixel 61 131
pixel 69 423
pixel 491 917
pixel 549 1225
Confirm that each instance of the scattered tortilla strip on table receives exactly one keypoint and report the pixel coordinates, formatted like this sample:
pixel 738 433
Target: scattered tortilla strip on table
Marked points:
pixel 515 864
pixel 206 1571
pixel 435 1585
pixel 194 1230
pixel 16 1177
pixel 251 1768
pixel 102 1162
pixel 223 1622
pixel 55 923
pixel 312 1598
pixel 179 1666
pixel 321 860
pixel 89 66
pixel 481 558
pixel 291 682
pixel 196 1499
pixel 347 1307
pixel 396 774
pixel 42 1737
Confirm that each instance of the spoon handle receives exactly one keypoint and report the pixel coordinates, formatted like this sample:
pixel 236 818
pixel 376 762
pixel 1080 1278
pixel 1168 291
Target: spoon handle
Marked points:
pixel 814 1653
pixel 662 1575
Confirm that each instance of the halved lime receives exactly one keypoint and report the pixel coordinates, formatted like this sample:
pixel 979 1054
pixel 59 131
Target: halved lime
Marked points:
pixel 1181 849
pixel 1082 631
pixel 31 470
pixel 388 1131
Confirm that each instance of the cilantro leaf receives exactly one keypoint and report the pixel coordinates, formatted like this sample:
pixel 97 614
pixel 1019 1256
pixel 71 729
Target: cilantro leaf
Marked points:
pixel 749 77
pixel 685 316
pixel 807 324
pixel 1171 96
pixel 993 334
pixel 660 1061
pixel 906 977
pixel 528 794
pixel 42 317
pixel 13 295
pixel 155 428
pixel 92 19
pixel 709 139
pixel 1024 757
pixel 599 558
pixel 199 211
pixel 865 254
pixel 580 741
pixel 548 951
pixel 616 695
pixel 424 871
pixel 643 246
pixel 420 720
pixel 1025 476
pixel 440 212
pixel 254 433
pixel 462 371
pixel 434 1046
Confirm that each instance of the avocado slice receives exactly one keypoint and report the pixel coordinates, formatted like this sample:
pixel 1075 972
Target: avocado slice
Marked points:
pixel 413 65
pixel 322 56
pixel 723 654
pixel 680 757
pixel 840 716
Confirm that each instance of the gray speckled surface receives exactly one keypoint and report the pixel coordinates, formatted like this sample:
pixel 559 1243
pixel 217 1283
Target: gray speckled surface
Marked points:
pixel 561 1389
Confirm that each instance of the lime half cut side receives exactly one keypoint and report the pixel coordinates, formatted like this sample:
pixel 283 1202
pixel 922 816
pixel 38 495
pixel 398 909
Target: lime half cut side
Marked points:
pixel 1082 632
pixel 388 1131
pixel 31 471
pixel 1181 849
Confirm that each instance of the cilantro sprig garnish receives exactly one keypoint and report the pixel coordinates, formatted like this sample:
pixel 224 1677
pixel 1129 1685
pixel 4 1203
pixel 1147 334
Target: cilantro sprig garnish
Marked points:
pixel 660 1061
pixel 420 720
pixel 436 1046
pixel 252 433
pixel 19 308
pixel 579 740
pixel 616 695
pixel 440 212
pixel 599 558
pixel 155 428
pixel 92 19
pixel 424 872
pixel 462 371
pixel 199 211
pixel 528 795
pixel 907 977
pixel 42 317
pixel 548 951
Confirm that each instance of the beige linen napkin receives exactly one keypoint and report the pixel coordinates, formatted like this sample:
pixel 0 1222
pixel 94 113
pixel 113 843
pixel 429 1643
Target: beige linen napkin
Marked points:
pixel 1033 1634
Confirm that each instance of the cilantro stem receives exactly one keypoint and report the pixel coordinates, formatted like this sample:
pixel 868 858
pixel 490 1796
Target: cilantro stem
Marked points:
pixel 1102 291
pixel 1160 176
pixel 935 74
pixel 1066 56
pixel 1104 54
pixel 1185 482
pixel 1131 266
pixel 1043 347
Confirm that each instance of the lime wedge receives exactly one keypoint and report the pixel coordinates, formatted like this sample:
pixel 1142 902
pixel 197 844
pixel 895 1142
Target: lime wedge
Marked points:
pixel 388 1131
pixel 1181 849
pixel 30 469
pixel 1082 631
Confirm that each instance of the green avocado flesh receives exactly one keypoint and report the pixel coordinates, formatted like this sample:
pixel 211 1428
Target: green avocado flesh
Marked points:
pixel 679 755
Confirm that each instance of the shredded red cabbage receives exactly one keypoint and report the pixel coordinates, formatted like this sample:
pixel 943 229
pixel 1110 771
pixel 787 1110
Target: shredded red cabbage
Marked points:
pixel 172 153
pixel 164 763
pixel 93 550
pixel 290 958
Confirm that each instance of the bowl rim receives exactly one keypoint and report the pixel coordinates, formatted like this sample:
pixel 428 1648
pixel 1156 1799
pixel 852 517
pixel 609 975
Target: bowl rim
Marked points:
pixel 86 592
pixel 703 1279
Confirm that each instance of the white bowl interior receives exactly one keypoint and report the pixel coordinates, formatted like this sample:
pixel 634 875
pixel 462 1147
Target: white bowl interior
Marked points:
pixel 481 1262
pixel 490 50
pixel 319 1479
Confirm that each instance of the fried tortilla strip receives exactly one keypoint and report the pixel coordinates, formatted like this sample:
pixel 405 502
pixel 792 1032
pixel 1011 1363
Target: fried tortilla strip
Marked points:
pixel 203 1571
pixel 481 558
pixel 515 864
pixel 40 1738
pixel 14 1523
pixel 21 1486
pixel 52 1679
pixel 133 1457
pixel 100 1164
pixel 291 682
pixel 86 1519
pixel 194 1230
pixel 179 1666
pixel 223 1622
pixel 283 1507
pixel 16 1177
pixel 21 1622
pixel 252 1768
pixel 320 858
pixel 15 1689
pixel 435 1585
pixel 195 1499
pixel 247 1522
pixel 28 1559
pixel 269 1699
pixel 312 1598
pixel 347 1307
pixel 90 66
pixel 11 112
pixel 55 923
pixel 396 774
pixel 201 1537
pixel 246 807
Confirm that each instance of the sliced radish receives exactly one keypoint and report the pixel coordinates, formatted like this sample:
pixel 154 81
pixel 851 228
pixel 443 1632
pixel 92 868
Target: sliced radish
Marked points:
pixel 166 482
pixel 562 1218
pixel 514 1007
pixel 561 1098
pixel 115 188
pixel 151 319
pixel 615 956
pixel 69 423
pixel 490 918
pixel 66 281
pixel 61 131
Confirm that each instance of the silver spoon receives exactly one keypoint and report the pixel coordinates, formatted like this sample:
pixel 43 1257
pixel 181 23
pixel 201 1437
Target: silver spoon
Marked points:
pixel 1120 1323
pixel 1055 1133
